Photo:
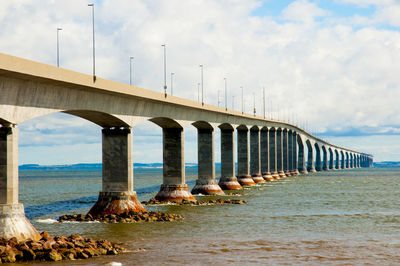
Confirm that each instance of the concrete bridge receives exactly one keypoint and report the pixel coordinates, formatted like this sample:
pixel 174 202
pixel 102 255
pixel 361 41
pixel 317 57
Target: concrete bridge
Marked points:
pixel 266 149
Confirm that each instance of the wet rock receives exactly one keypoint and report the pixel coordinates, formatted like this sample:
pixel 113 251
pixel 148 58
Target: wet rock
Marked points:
pixel 55 249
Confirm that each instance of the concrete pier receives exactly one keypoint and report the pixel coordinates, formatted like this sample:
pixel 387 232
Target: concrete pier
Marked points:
pixel 228 180
pixel 117 195
pixel 174 188
pixel 206 183
pixel 318 162
pixel 273 154
pixel 325 164
pixel 255 155
pixel 13 222
pixel 279 153
pixel 295 160
pixel 331 160
pixel 244 177
pixel 264 154
pixel 310 159
pixel 285 151
pixel 302 160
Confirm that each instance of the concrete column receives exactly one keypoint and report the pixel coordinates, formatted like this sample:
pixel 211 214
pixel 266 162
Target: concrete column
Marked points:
pixel 342 161
pixel 302 160
pixel 290 140
pixel 13 222
pixel 273 154
pixel 331 160
pixel 285 151
pixel 318 163
pixel 174 188
pixel 310 160
pixel 265 166
pixel 337 165
pixel 295 162
pixel 228 180
pixel 279 153
pixel 325 165
pixel 244 177
pixel 206 183
pixel 255 156
pixel 117 195
pixel 347 161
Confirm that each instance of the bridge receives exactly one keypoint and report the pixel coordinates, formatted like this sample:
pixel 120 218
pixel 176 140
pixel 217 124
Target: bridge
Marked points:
pixel 266 149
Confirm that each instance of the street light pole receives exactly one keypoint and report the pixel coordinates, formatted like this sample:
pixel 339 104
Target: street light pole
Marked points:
pixel 242 101
pixel 130 70
pixel 198 92
pixel 254 104
pixel 233 102
pixel 165 69
pixel 218 98
pixel 202 85
pixel 94 54
pixel 226 97
pixel 264 101
pixel 58 48
pixel 172 83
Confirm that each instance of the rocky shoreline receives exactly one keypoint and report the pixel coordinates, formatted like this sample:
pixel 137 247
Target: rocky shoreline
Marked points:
pixel 57 248
pixel 153 201
pixel 125 217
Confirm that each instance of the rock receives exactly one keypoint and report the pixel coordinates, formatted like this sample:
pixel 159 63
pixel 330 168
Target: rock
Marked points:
pixel 8 255
pixel 54 256
pixel 28 254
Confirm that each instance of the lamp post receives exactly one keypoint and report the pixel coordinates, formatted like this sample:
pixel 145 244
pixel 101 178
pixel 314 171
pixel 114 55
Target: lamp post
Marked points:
pixel 202 85
pixel 58 48
pixel 172 82
pixel 233 102
pixel 242 101
pixel 130 70
pixel 264 101
pixel 94 54
pixel 254 104
pixel 198 92
pixel 226 97
pixel 165 69
pixel 218 98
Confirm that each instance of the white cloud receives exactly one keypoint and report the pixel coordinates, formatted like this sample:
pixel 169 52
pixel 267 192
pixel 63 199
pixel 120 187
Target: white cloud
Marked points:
pixel 331 72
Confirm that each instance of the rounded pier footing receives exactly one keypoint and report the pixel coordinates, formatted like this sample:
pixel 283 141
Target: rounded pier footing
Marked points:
pixel 312 170
pixel 246 180
pixel 303 172
pixel 288 173
pixel 258 179
pixel 282 174
pixel 275 175
pixel 268 177
pixel 116 203
pixel 174 193
pixel 229 183
pixel 207 187
pixel 13 223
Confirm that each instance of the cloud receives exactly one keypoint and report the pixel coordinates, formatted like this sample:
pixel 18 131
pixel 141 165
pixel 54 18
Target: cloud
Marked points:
pixel 318 68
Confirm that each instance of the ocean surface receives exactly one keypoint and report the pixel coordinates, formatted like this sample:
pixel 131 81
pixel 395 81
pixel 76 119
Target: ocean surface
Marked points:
pixel 347 217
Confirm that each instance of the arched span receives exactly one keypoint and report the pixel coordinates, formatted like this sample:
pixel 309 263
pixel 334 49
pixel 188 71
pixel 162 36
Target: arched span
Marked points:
pixel 99 118
pixel 226 126
pixel 4 122
pixel 301 163
pixel 165 122
pixel 347 160
pixel 202 125
pixel 242 127
pixel 310 157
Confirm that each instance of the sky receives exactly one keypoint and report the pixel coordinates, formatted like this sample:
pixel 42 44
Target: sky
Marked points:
pixel 331 67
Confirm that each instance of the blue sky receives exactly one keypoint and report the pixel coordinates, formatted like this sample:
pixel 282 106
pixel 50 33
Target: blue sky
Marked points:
pixel 329 66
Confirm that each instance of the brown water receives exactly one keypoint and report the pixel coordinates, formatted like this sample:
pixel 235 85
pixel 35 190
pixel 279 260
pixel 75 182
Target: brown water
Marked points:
pixel 349 217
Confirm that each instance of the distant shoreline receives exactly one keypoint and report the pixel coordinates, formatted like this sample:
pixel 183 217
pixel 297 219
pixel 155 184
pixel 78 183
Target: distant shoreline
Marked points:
pixel 144 165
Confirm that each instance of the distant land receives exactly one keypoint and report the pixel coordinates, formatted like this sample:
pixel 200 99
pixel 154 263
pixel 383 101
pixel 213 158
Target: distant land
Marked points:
pixel 88 166
pixel 144 165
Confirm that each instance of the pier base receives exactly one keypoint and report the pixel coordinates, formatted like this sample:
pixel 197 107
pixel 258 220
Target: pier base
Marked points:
pixel 229 183
pixel 116 203
pixel 207 187
pixel 13 223
pixel 174 193
pixel 275 175
pixel 258 179
pixel 282 174
pixel 268 177
pixel 246 180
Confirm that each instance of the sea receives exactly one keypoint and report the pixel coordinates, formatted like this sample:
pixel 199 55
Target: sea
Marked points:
pixel 343 217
